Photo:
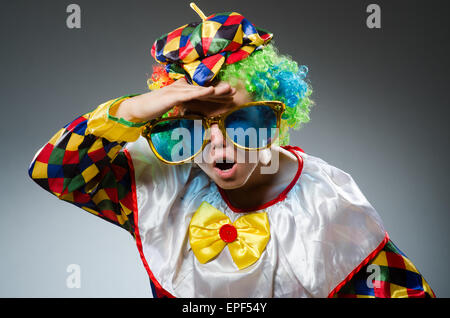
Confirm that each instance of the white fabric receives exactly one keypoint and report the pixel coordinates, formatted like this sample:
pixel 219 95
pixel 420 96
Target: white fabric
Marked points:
pixel 322 230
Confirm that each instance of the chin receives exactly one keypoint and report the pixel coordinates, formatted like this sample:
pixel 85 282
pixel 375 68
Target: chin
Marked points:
pixel 229 185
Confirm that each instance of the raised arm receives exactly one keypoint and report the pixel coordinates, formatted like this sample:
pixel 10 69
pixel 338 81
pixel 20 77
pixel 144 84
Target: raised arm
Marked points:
pixel 83 163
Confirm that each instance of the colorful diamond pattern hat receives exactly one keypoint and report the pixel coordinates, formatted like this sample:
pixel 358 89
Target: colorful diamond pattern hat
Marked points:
pixel 199 50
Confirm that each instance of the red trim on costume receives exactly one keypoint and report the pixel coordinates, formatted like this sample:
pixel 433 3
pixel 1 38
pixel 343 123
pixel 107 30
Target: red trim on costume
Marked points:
pixel 363 263
pixel 289 147
pixel 280 197
pixel 160 291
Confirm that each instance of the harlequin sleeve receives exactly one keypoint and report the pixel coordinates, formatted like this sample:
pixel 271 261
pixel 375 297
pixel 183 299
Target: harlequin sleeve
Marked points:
pixel 389 275
pixel 83 163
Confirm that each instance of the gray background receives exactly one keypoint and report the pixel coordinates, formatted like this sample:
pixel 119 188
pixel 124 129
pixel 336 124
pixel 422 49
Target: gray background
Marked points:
pixel 381 114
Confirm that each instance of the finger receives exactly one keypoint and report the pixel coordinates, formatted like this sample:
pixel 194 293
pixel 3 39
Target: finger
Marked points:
pixel 223 89
pixel 221 100
pixel 217 97
pixel 224 94
pixel 180 82
pixel 196 93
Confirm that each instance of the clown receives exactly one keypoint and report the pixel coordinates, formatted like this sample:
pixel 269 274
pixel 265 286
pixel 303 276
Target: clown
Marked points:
pixel 184 169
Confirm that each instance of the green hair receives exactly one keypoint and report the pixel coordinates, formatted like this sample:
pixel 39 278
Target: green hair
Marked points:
pixel 268 75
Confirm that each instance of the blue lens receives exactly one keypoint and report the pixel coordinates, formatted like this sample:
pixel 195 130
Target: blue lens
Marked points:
pixel 253 126
pixel 178 139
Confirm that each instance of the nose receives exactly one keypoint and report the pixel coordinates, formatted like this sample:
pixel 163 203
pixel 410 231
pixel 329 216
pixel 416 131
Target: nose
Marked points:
pixel 217 138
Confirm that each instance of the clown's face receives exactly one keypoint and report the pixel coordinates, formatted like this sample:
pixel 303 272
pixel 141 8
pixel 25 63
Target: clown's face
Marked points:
pixel 228 166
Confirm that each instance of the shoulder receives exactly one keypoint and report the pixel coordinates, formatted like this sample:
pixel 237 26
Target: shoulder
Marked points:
pixel 319 176
pixel 312 163
pixel 390 274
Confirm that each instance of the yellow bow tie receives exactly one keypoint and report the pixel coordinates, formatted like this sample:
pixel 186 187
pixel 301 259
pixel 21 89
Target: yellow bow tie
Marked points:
pixel 210 231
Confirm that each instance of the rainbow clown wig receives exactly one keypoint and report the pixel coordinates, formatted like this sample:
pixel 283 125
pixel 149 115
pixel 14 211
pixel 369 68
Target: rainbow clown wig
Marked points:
pixel 227 47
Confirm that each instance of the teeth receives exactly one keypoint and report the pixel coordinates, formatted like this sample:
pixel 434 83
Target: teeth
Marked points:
pixel 224 160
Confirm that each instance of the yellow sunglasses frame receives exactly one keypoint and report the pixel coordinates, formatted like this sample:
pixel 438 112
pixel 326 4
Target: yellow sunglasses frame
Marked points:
pixel 207 122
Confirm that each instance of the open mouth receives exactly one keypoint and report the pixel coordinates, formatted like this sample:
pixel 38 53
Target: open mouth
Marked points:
pixel 224 165
pixel 225 169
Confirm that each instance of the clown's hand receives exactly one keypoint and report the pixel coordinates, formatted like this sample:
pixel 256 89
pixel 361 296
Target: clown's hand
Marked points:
pixel 155 103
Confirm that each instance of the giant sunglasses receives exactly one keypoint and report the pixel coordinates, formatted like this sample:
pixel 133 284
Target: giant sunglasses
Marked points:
pixel 178 139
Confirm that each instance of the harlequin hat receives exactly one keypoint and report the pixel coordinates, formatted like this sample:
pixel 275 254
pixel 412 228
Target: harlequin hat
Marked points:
pixel 199 50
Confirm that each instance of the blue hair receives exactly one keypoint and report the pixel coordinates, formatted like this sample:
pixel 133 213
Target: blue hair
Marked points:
pixel 267 75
